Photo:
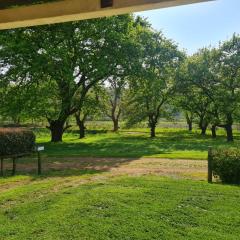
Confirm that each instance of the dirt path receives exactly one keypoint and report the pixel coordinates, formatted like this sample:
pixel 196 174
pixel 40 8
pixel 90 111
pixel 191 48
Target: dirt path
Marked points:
pixel 196 169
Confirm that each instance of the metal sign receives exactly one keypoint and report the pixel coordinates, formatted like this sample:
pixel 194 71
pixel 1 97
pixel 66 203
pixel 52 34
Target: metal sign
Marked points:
pixel 40 148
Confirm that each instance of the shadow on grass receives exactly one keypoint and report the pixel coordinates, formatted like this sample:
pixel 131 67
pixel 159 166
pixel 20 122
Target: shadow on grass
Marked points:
pixel 128 145
pixel 47 173
pixel 52 167
pixel 99 153
pixel 90 155
pixel 90 131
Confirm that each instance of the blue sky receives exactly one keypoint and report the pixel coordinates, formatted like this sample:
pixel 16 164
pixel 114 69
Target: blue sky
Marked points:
pixel 197 25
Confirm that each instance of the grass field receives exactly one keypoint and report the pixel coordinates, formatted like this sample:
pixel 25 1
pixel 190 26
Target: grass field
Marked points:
pixel 170 143
pixel 97 206
pixel 119 186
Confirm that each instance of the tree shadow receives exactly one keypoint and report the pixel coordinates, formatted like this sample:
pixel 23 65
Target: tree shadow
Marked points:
pixel 106 151
pixel 87 131
pixel 67 167
pixel 125 145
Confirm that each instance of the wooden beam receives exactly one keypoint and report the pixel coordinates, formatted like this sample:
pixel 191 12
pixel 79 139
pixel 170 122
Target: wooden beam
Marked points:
pixel 71 10
pixel 4 4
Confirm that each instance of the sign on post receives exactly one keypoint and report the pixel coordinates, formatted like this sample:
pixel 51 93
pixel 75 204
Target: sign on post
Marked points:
pixel 40 148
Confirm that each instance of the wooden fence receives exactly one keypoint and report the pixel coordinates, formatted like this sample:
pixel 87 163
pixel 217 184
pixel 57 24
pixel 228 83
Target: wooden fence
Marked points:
pixel 17 156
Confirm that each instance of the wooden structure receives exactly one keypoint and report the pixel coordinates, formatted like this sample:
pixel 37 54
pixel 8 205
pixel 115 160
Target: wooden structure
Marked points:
pixel 210 168
pixel 17 156
pixel 16 13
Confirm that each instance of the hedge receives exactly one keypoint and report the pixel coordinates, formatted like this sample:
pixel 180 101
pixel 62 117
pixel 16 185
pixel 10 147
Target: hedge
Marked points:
pixel 16 141
pixel 226 165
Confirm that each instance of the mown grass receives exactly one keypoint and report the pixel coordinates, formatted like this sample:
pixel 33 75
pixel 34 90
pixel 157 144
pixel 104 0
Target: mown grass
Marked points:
pixel 169 143
pixel 75 203
pixel 146 207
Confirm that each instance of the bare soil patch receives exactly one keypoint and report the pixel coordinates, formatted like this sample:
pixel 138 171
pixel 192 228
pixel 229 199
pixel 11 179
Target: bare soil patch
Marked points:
pixel 132 166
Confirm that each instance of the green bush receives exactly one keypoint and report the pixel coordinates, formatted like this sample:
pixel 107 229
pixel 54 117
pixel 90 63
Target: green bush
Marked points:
pixel 226 165
pixel 16 141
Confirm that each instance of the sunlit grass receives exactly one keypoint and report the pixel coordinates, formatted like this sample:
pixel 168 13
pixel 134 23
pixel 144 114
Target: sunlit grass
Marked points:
pixel 146 207
pixel 169 143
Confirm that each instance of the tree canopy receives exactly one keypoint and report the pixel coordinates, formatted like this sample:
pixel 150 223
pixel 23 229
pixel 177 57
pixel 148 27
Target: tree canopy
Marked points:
pixel 117 67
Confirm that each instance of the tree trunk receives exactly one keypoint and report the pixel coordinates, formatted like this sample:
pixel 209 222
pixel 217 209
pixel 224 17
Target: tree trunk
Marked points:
pixel 115 125
pixel 152 123
pixel 190 126
pixel 57 128
pixel 229 132
pixel 214 131
pixel 153 132
pixel 203 126
pixel 82 129
pixel 203 130
pixel 189 121
pixel 81 125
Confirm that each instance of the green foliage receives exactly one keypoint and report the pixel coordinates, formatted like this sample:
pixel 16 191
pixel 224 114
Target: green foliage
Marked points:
pixel 153 85
pixel 113 102
pixel 192 98
pixel 16 141
pixel 19 103
pixel 67 60
pixel 226 165
pixel 50 71
pixel 90 107
pixel 208 85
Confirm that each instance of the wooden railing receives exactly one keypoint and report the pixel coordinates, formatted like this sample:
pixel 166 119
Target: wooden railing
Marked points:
pixel 14 158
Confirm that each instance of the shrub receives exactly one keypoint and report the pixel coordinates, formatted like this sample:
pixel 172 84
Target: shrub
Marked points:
pixel 226 165
pixel 16 141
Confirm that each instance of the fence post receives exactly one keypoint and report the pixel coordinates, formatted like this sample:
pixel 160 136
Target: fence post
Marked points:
pixel 210 160
pixel 39 163
pixel 1 171
pixel 14 166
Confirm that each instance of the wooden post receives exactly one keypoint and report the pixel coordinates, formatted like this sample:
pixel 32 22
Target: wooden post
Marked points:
pixel 1 172
pixel 210 170
pixel 39 163
pixel 14 166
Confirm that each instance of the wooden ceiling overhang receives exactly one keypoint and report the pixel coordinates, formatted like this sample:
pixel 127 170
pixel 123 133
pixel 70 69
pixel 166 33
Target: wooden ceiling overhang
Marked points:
pixel 23 13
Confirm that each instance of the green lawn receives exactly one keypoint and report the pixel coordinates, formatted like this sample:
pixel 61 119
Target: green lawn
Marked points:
pixel 87 205
pixel 170 143
pixel 78 202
